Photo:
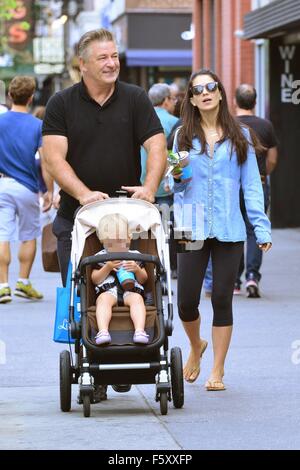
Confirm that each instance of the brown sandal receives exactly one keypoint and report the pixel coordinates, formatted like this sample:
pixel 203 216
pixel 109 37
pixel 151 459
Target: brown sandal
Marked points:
pixel 214 386
pixel 197 370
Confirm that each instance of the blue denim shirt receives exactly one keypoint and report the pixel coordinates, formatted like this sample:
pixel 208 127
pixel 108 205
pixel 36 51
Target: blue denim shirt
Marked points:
pixel 215 188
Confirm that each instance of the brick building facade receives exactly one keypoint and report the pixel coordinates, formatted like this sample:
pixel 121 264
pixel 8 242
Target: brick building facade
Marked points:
pixel 149 38
pixel 218 44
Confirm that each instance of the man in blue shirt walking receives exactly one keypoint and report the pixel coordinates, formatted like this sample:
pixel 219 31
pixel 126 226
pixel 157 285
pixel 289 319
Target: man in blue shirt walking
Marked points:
pixel 20 139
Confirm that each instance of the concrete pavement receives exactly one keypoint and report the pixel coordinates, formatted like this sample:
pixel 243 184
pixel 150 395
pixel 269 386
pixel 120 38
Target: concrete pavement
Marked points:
pixel 259 409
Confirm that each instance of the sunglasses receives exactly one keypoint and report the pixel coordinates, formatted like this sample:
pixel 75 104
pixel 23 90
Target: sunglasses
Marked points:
pixel 210 87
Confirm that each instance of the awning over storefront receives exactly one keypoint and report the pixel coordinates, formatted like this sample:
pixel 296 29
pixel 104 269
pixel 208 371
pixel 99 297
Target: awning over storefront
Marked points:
pixel 158 58
pixel 275 18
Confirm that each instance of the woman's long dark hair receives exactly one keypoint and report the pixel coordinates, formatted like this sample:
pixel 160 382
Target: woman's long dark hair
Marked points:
pixel 231 128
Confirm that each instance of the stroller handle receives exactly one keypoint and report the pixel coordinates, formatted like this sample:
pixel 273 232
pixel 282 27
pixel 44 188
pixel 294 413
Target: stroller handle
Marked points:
pixel 120 255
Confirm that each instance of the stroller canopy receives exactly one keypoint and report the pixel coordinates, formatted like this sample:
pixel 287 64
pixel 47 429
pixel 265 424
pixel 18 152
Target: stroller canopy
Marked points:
pixel 142 216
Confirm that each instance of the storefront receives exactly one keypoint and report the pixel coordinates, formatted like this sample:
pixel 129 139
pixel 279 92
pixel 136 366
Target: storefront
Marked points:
pixel 279 22
pixel 16 42
pixel 152 48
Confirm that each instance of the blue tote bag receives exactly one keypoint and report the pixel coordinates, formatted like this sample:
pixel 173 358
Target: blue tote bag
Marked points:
pixel 62 325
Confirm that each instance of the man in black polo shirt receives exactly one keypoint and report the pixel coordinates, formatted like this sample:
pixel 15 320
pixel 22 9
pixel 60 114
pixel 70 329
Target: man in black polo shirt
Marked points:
pixel 92 137
pixel 245 97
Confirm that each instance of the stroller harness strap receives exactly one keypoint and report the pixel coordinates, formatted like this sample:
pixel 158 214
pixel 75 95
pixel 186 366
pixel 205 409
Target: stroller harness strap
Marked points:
pixel 105 287
pixel 109 285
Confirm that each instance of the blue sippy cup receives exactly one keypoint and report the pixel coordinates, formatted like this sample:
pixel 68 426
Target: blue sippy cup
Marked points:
pixel 186 167
pixel 125 278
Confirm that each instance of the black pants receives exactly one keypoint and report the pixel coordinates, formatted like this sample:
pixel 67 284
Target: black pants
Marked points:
pixel 191 270
pixel 62 229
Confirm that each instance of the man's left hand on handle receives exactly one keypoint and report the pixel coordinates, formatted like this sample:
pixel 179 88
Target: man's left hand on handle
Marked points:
pixel 92 196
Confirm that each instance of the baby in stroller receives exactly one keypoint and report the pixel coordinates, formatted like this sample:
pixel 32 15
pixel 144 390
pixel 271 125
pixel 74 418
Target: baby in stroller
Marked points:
pixel 118 281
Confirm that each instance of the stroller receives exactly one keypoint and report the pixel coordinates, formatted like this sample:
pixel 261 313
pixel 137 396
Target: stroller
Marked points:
pixel 122 361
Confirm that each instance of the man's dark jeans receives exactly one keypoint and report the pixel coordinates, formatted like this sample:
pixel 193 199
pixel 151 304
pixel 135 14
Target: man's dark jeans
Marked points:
pixel 254 254
pixel 62 229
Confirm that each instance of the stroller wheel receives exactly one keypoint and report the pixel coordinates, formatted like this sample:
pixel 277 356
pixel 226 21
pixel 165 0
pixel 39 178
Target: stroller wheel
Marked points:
pixel 163 403
pixel 65 380
pixel 177 378
pixel 86 406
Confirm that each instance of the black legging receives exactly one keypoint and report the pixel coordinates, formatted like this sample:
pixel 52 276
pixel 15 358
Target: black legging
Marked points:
pixel 191 270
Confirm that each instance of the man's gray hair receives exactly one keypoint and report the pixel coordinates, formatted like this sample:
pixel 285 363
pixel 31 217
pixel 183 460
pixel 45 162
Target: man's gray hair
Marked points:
pixel 101 35
pixel 158 93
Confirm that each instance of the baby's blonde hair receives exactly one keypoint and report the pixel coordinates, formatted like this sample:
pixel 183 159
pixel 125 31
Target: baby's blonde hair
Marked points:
pixel 113 227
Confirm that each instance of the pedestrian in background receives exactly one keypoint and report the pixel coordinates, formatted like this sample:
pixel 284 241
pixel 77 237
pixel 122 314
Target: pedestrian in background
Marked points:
pixel 46 217
pixel 39 112
pixel 245 98
pixel 92 137
pixel 222 158
pixel 178 93
pixel 164 101
pixel 20 139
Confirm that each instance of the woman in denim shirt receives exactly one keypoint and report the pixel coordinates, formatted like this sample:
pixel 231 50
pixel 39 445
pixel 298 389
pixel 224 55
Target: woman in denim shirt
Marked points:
pixel 222 158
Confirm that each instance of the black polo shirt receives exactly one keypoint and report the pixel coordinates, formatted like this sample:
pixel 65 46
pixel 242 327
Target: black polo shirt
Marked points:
pixel 103 141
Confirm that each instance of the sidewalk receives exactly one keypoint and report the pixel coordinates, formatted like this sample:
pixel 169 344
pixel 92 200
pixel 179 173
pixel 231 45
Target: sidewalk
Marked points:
pixel 259 409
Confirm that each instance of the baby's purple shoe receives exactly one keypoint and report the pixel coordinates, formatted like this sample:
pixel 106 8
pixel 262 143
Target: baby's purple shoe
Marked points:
pixel 102 337
pixel 140 337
